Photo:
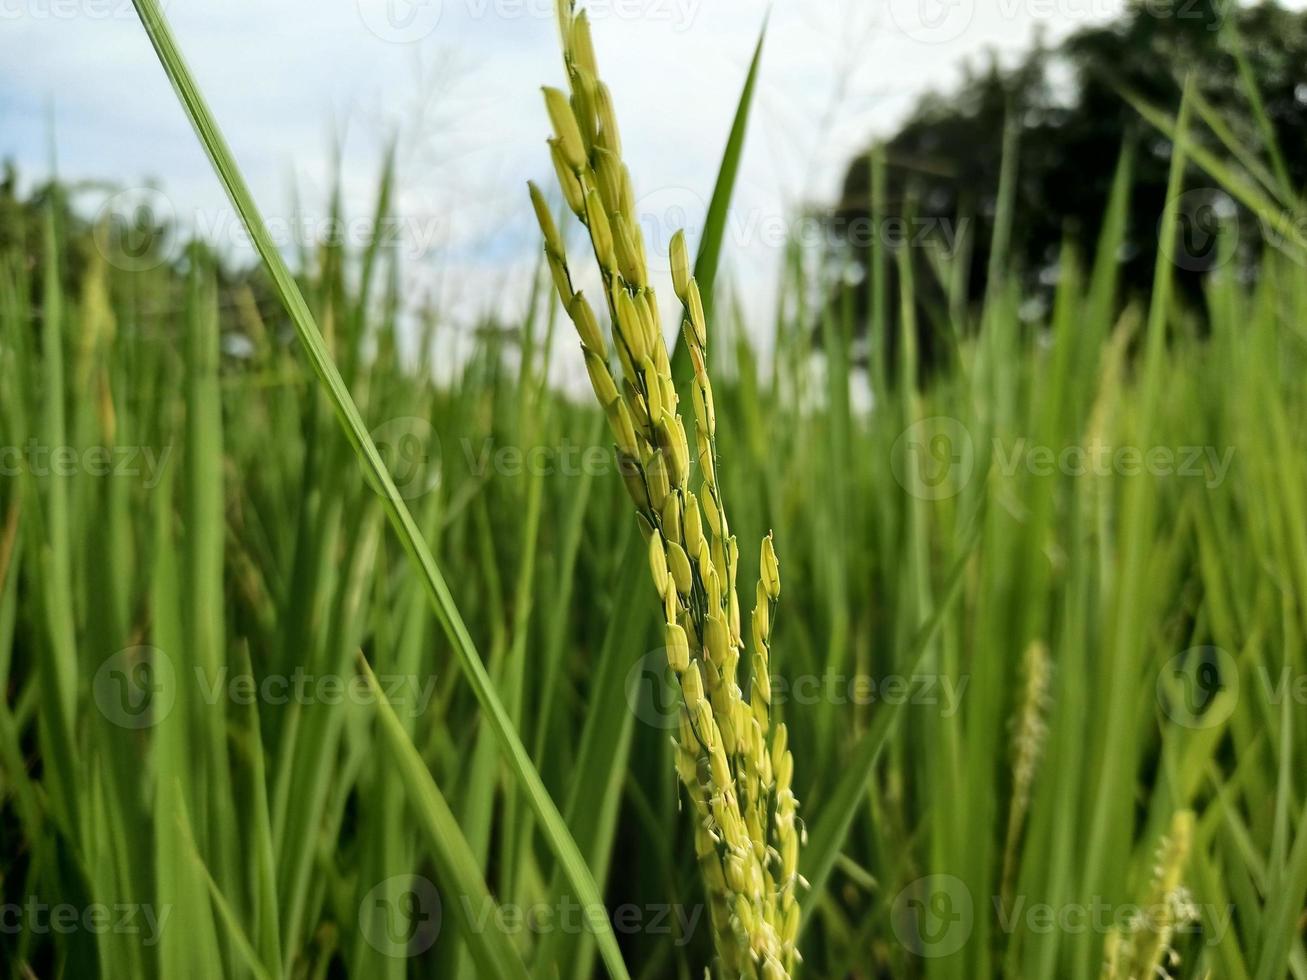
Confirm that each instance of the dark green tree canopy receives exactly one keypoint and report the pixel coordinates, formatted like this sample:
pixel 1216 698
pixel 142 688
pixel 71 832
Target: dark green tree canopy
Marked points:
pixel 1072 123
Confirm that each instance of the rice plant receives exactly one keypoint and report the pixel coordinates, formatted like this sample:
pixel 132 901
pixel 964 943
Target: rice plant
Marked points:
pixel 737 771
pixel 312 668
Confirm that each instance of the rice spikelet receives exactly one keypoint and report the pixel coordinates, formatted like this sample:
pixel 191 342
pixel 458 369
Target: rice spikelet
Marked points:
pixel 733 761
pixel 1028 738
pixel 1143 951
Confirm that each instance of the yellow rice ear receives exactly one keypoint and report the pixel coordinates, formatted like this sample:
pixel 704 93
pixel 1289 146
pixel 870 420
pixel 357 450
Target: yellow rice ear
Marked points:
pixel 680 258
pixel 565 126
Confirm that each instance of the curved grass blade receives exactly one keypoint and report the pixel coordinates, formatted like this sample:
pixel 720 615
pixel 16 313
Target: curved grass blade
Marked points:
pixel 709 255
pixel 520 764
pixel 1272 217
pixel 1240 150
pixel 262 860
pixel 1252 91
pixel 236 935
pixel 842 805
pixel 459 868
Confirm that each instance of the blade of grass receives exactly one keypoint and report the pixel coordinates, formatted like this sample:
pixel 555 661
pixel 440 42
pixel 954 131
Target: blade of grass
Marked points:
pixel 595 788
pixel 1281 923
pixel 224 164
pixel 708 258
pixel 842 804
pixel 262 860
pixel 460 870
pixel 1247 78
pixel 59 660
pixel 1277 219
pixel 236 936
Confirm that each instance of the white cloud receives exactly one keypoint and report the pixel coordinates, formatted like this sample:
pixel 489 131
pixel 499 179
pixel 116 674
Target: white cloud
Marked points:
pixel 288 80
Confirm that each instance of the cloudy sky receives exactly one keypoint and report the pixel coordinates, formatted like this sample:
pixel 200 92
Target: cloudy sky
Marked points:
pixel 457 80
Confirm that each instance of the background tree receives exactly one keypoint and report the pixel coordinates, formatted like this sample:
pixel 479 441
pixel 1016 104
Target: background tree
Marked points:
pixel 1071 125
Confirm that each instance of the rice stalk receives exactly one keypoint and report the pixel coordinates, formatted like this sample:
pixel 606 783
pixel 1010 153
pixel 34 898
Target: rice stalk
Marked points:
pixel 1143 948
pixel 733 761
pixel 1030 732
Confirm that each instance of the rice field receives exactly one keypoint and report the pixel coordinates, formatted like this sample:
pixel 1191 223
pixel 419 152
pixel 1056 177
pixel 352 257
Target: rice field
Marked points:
pixel 321 657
